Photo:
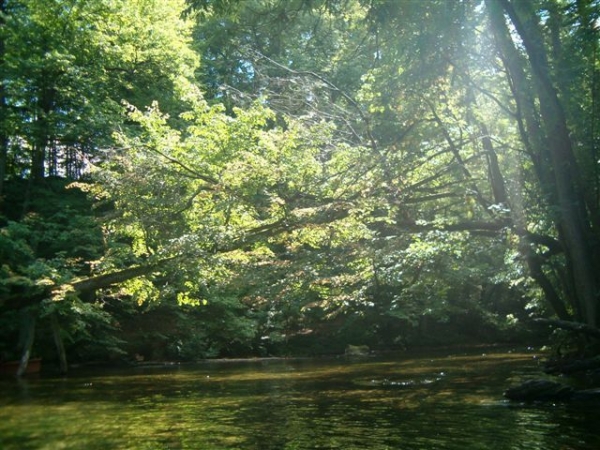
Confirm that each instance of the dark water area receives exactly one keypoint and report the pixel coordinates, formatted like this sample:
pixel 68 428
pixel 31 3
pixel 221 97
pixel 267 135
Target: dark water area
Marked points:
pixel 439 400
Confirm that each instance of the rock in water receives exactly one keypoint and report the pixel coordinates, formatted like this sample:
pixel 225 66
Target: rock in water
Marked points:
pixel 357 350
pixel 539 390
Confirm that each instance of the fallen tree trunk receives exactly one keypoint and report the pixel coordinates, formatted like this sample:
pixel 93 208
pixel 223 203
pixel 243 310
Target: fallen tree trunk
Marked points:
pixel 577 327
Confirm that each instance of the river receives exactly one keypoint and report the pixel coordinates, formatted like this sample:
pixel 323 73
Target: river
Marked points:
pixel 448 399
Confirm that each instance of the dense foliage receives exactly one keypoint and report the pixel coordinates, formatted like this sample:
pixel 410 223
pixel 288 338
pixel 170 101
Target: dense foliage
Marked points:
pixel 184 180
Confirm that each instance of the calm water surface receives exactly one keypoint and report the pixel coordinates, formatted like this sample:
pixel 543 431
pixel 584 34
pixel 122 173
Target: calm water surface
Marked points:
pixel 435 401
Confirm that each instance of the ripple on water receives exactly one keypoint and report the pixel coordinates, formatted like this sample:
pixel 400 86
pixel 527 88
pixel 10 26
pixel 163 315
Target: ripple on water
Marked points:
pixel 429 402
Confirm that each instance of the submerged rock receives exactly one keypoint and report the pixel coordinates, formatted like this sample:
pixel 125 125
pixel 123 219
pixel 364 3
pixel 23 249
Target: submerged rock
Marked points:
pixel 357 350
pixel 586 395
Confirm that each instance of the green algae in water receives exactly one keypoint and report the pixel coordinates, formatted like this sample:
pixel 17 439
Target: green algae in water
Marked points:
pixel 397 402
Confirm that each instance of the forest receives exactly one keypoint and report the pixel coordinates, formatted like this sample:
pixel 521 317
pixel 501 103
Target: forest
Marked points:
pixel 188 179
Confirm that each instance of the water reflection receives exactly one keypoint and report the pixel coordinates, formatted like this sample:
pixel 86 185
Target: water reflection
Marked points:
pixel 396 402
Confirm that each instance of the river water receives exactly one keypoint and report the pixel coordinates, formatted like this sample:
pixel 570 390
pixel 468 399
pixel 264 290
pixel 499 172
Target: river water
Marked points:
pixel 440 400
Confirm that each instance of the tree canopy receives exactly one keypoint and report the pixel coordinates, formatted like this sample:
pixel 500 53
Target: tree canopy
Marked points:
pixel 279 175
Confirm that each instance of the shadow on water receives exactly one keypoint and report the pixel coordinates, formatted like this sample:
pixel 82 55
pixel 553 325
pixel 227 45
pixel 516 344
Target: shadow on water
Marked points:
pixel 406 401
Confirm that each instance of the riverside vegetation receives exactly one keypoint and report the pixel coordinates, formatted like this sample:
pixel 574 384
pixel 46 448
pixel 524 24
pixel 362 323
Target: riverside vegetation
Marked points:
pixel 210 178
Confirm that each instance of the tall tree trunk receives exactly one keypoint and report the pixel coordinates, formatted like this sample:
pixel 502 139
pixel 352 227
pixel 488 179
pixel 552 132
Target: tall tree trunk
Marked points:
pixel 58 342
pixel 580 242
pixel 495 174
pixel 534 261
pixel 43 128
pixel 571 216
pixel 3 102
pixel 28 331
